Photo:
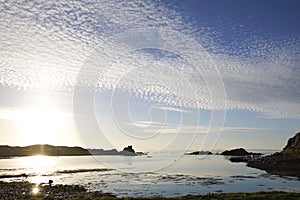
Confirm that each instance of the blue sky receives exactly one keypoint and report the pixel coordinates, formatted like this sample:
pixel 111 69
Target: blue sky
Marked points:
pixel 160 75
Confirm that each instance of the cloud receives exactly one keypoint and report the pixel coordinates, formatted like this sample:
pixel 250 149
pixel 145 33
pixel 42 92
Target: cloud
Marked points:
pixel 45 44
pixel 165 108
pixel 10 113
pixel 170 128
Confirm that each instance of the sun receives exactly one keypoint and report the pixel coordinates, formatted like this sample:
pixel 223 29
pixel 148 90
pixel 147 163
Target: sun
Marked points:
pixel 41 124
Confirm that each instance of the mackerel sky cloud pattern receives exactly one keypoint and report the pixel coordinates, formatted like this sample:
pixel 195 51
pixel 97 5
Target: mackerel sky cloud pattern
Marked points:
pixel 44 44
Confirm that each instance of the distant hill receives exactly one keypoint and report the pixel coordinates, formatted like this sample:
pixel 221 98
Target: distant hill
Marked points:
pixel 49 150
pixel 286 162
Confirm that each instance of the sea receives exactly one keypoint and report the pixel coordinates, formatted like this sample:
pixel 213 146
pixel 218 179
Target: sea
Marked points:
pixel 164 174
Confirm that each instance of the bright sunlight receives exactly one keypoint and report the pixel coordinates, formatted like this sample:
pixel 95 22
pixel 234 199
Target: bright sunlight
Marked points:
pixel 41 124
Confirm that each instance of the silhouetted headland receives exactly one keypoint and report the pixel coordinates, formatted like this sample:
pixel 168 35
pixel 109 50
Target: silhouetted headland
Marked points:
pixel 49 150
pixel 286 162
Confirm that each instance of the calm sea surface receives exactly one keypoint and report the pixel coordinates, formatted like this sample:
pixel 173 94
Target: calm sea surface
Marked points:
pixel 163 174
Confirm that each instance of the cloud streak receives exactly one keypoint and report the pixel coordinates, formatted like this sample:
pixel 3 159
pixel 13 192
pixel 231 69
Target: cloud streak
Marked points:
pixel 170 128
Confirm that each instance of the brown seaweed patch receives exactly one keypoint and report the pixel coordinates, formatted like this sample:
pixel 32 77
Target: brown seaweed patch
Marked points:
pixel 83 170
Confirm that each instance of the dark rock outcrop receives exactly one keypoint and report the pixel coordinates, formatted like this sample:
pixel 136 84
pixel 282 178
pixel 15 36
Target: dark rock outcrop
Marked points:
pixel 200 153
pixel 239 159
pixel 293 146
pixel 128 151
pixel 238 152
pixel 286 162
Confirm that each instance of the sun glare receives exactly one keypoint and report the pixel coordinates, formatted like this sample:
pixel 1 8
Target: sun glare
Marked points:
pixel 38 165
pixel 37 161
pixel 35 190
pixel 41 124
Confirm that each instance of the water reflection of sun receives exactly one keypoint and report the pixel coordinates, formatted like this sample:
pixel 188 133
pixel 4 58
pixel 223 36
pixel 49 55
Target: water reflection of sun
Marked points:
pixel 39 167
pixel 37 162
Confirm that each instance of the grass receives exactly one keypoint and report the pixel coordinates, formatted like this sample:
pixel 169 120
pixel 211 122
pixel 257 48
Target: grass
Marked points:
pixel 23 190
pixel 225 196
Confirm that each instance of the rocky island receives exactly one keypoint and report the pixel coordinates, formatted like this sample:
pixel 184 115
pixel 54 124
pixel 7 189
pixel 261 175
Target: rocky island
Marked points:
pixel 240 155
pixel 129 151
pixel 286 162
pixel 238 152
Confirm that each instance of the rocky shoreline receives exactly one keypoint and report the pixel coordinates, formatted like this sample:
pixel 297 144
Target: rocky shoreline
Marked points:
pixel 278 163
pixel 26 190
pixel 286 162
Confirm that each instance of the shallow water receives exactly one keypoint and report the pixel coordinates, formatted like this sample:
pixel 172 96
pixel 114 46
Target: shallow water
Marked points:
pixel 164 174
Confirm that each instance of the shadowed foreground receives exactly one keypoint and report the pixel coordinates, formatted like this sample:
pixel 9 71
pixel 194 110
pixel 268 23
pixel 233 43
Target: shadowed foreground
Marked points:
pixel 24 190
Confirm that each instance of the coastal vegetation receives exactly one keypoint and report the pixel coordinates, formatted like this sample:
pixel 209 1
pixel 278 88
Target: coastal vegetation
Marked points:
pixel 26 190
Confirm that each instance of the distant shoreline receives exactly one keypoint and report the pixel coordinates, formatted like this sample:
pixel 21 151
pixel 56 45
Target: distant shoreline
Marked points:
pixel 50 150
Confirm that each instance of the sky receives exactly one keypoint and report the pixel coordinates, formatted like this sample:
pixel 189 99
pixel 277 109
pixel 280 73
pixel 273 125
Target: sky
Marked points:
pixel 160 75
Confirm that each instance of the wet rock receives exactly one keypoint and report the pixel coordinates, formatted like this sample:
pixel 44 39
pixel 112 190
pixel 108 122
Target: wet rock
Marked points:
pixel 286 162
pixel 25 190
pixel 239 159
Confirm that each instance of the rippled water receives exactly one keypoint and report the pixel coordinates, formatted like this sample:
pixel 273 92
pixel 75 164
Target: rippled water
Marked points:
pixel 158 174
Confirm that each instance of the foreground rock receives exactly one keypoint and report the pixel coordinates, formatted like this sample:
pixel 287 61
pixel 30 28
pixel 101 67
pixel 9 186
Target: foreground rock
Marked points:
pixel 239 152
pixel 26 190
pixel 286 162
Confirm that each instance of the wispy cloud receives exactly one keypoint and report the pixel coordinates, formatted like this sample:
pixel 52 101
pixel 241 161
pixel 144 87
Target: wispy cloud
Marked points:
pixel 174 109
pixel 170 128
pixel 45 43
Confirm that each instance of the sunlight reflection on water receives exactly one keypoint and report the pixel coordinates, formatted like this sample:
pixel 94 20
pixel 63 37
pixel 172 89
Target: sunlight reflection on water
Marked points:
pixel 188 175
